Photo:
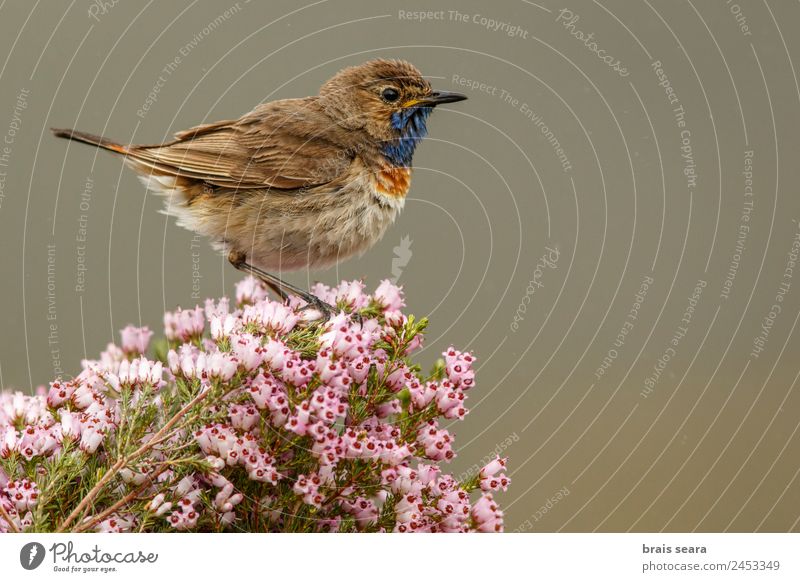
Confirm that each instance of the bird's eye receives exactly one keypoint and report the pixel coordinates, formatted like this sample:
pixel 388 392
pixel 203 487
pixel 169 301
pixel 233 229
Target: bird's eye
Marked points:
pixel 390 94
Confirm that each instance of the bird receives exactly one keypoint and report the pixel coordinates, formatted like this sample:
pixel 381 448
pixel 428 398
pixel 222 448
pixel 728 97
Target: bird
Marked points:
pixel 295 183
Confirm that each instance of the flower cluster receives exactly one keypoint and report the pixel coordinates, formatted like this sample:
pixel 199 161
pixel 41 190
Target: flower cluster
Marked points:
pixel 251 417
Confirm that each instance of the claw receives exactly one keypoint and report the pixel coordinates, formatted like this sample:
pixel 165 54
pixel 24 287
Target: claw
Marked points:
pixel 326 309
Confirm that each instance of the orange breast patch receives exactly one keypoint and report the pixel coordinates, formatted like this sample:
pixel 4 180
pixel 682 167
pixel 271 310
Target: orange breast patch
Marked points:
pixel 393 181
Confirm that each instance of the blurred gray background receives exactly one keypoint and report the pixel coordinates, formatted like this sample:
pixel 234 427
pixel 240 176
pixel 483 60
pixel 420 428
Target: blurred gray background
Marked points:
pixel 610 223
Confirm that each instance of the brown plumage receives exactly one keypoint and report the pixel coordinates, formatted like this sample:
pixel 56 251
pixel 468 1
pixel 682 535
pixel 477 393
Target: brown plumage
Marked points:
pixel 295 182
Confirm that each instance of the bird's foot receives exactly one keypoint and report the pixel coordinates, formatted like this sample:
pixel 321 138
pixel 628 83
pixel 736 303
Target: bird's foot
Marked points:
pixel 313 302
pixel 326 310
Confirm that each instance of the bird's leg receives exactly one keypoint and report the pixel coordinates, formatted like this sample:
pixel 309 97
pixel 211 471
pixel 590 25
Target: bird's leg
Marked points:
pixel 282 288
pixel 277 289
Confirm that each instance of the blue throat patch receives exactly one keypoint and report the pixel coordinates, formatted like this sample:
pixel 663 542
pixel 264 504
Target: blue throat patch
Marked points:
pixel 411 123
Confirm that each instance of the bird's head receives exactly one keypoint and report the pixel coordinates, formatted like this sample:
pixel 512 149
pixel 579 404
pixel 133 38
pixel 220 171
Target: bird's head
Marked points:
pixel 388 99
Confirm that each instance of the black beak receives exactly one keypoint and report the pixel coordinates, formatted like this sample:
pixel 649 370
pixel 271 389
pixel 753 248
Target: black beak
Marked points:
pixel 439 97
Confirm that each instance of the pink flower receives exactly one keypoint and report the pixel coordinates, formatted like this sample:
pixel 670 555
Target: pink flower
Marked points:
pixel 38 441
pixel 116 524
pixel 226 499
pixel 219 309
pixel 109 359
pixel 487 515
pixel 59 393
pixel 347 339
pixel 135 339
pixel 184 325
pixel 157 501
pixel 447 397
pixel 271 316
pixel 395 319
pixel 422 394
pixel 454 509
pixel 428 473
pixel 174 362
pixel 495 483
pixel 275 354
pixel 400 378
pixel 140 371
pixel 388 408
pixel 308 489
pixel 185 516
pixel 91 438
pixel 437 443
pixel 303 426
pixel 389 296
pixel 408 510
pixel 363 510
pixel 70 425
pixel 24 494
pixel 493 467
pixel 458 367
pixel 243 417
pixel 222 326
pixel 250 290
pixel 9 444
pixel 221 365
pixel 268 392
pixel 349 293
pixel 414 344
pixel 296 371
pixel 83 396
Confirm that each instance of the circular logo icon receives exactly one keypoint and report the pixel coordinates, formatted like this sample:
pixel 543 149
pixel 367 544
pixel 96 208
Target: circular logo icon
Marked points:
pixel 31 555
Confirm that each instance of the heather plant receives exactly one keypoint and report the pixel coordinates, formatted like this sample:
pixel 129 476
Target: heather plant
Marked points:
pixel 253 417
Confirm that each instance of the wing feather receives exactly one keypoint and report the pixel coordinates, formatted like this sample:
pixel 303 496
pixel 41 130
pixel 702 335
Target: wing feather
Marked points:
pixel 287 145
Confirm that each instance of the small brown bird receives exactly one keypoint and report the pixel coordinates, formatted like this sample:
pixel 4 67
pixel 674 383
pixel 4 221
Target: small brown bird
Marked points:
pixel 297 182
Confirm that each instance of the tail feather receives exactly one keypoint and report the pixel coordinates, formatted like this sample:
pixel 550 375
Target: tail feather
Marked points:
pixel 91 139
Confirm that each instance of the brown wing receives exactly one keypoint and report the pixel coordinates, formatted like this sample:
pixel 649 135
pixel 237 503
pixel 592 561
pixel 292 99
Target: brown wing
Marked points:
pixel 288 145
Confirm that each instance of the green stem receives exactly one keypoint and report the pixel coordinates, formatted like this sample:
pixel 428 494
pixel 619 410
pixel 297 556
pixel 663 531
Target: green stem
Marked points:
pixel 125 460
